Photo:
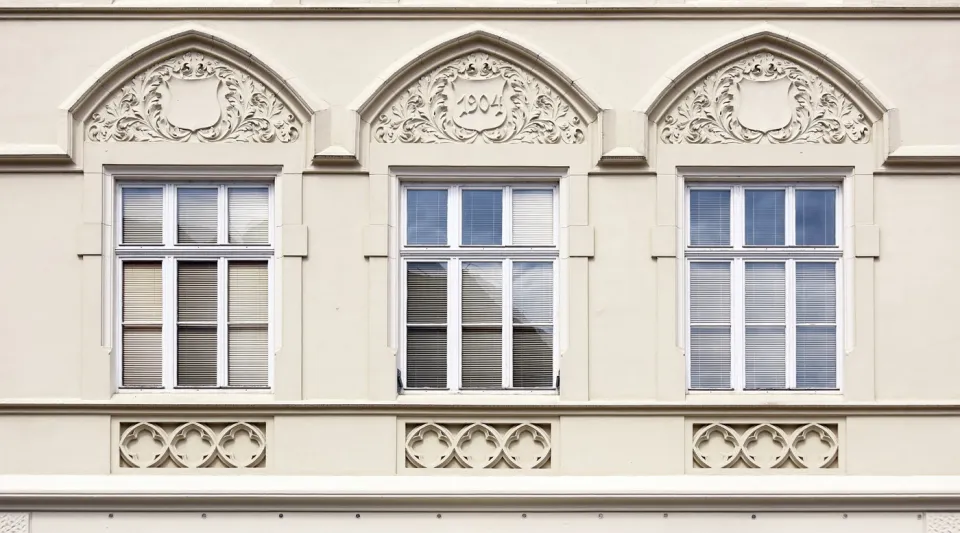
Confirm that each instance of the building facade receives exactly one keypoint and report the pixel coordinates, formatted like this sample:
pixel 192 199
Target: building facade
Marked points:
pixel 578 266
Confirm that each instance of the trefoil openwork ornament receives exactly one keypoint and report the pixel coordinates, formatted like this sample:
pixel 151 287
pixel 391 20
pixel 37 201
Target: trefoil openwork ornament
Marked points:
pixel 479 98
pixel 765 98
pixel 193 97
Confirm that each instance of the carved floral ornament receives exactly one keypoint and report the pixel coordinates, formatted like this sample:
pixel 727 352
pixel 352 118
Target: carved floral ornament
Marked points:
pixel 764 98
pixel 193 97
pixel 479 98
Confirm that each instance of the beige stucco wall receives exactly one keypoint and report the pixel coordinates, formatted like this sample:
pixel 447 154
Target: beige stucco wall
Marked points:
pixel 622 406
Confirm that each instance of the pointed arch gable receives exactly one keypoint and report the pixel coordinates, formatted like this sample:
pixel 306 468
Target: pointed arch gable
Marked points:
pixel 817 98
pixel 189 84
pixel 477 85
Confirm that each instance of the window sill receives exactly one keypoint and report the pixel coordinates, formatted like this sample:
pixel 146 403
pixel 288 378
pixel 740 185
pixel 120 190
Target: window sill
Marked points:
pixel 753 398
pixel 474 398
pixel 214 396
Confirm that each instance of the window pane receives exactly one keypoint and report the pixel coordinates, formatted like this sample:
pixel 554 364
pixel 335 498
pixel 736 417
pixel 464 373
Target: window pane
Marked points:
pixel 197 291
pixel 709 293
pixel 426 293
pixel 142 214
pixel 142 356
pixel 816 293
pixel 533 293
pixel 765 214
pixel 248 214
pixel 247 312
pixel 426 358
pixel 709 217
pixel 765 306
pixel 143 292
pixel 482 217
pixel 482 298
pixel 248 357
pixel 482 364
pixel 426 217
pixel 816 357
pixel 533 217
pixel 196 356
pixel 248 287
pixel 709 357
pixel 816 217
pixel 196 215
pixel 765 357
pixel 533 357
pixel 766 295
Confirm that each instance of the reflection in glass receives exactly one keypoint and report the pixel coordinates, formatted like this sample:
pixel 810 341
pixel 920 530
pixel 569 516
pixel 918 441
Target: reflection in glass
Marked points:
pixel 765 215
pixel 816 217
pixel 426 217
pixel 709 217
pixel 482 217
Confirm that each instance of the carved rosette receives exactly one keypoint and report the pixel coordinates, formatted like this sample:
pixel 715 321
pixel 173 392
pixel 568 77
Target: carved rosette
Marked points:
pixel 223 104
pixel 479 98
pixel 812 109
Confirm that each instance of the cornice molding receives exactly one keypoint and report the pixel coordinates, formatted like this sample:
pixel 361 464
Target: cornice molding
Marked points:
pixel 493 493
pixel 181 406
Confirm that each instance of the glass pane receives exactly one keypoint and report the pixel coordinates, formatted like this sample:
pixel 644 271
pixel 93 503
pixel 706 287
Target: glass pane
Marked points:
pixel 426 293
pixel 196 215
pixel 197 356
pixel 765 293
pixel 816 357
pixel 482 295
pixel 426 358
pixel 533 293
pixel 142 292
pixel 709 217
pixel 482 358
pixel 142 214
pixel 816 217
pixel 142 356
pixel 765 215
pixel 766 357
pixel 533 357
pixel 196 291
pixel 709 357
pixel 482 218
pixel 248 214
pixel 533 217
pixel 709 293
pixel 248 285
pixel 426 217
pixel 816 293
pixel 247 357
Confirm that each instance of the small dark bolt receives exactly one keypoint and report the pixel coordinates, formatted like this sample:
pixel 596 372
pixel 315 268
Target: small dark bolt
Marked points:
pixel 204 515
pixel 844 516
pixel 281 515
pixel 753 517
pixel 524 515
pixel 358 515
pixel 438 515
pixel 110 515
pixel 665 515
pixel 919 517
pixel 600 515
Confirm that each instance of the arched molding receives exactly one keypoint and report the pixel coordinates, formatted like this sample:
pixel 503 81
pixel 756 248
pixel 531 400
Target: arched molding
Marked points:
pixel 724 52
pixel 378 97
pixel 147 54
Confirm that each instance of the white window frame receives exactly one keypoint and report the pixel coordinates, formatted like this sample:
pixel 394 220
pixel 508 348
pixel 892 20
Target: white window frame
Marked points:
pixel 737 253
pixel 454 254
pixel 169 254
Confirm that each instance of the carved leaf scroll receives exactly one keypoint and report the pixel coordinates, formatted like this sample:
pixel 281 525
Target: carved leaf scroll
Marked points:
pixel 480 98
pixel 231 106
pixel 715 110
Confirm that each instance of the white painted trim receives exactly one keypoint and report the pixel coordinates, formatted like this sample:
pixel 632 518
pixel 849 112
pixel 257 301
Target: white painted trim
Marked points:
pixel 407 493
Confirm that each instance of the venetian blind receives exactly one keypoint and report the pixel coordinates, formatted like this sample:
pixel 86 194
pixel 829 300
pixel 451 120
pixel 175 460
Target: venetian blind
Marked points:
pixel 426 355
pixel 709 349
pixel 816 325
pixel 248 215
pixel 533 217
pixel 197 324
pixel 142 315
pixel 482 217
pixel 533 325
pixel 765 213
pixel 142 215
pixel 197 215
pixel 482 319
pixel 248 315
pixel 765 336
pixel 709 217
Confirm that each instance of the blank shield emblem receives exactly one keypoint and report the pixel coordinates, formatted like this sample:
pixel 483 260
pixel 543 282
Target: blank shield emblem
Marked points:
pixel 765 106
pixel 193 104
pixel 478 105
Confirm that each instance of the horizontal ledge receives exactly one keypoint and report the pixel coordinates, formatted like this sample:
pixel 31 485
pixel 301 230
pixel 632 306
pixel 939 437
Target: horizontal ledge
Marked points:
pixel 925 154
pixel 412 493
pixel 517 405
pixel 18 154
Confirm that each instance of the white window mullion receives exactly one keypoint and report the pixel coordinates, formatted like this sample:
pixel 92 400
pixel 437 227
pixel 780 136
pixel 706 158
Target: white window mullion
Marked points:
pixel 737 325
pixel 738 218
pixel 453 218
pixel 454 324
pixel 169 216
pixel 222 275
pixel 791 315
pixel 222 237
pixel 506 211
pixel 790 227
pixel 169 334
pixel 507 328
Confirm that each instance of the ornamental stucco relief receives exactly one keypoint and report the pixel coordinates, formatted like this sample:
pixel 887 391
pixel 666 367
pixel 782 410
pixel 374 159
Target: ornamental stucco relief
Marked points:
pixel 764 98
pixel 193 445
pixel 479 98
pixel 765 446
pixel 478 445
pixel 193 98
pixel 14 523
pixel 943 523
